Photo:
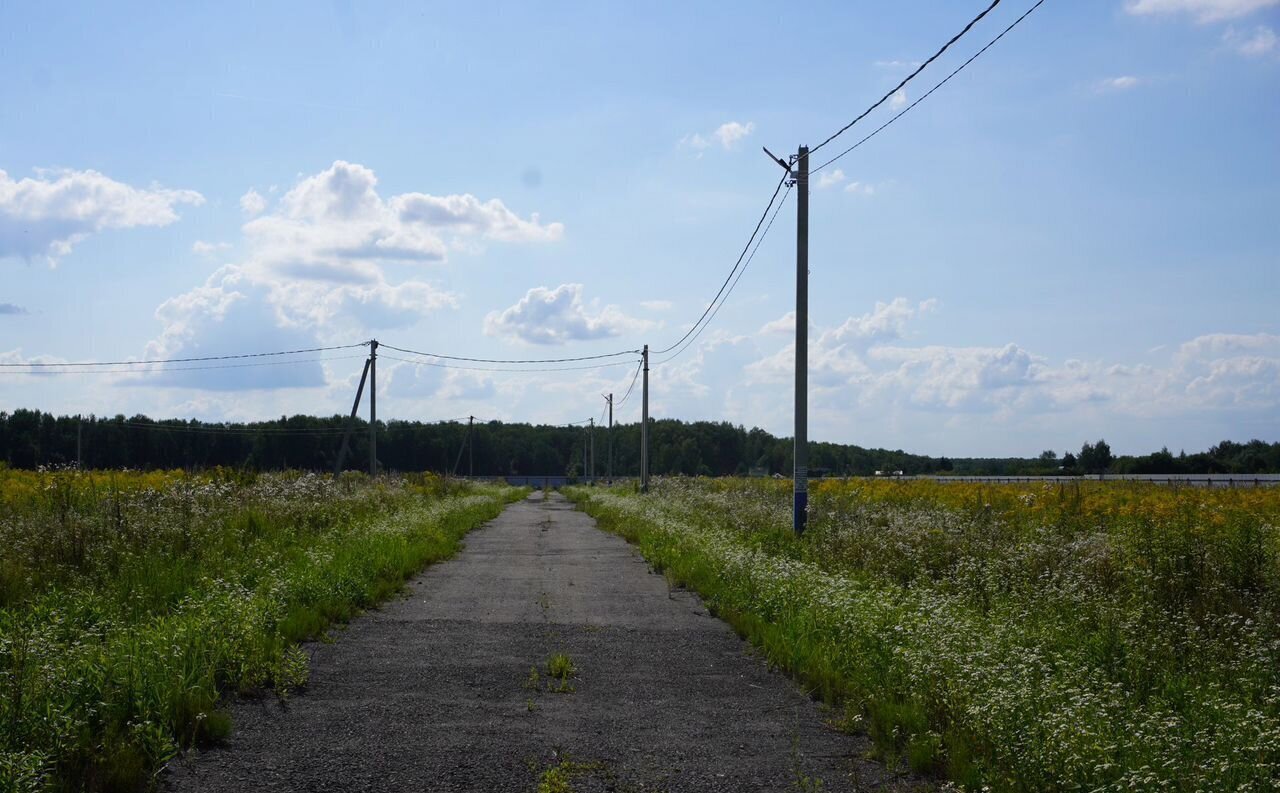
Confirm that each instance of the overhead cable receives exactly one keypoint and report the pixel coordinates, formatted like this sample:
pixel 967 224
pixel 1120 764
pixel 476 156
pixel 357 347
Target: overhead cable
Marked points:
pixel 421 362
pixel 908 78
pixel 288 362
pixel 695 336
pixel 729 277
pixel 926 95
pixel 509 360
pixel 182 360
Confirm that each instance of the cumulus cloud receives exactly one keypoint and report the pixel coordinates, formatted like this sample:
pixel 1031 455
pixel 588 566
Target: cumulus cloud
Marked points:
pixel 316 269
pixel 867 361
pixel 860 188
pixel 898 100
pixel 1253 45
pixel 829 178
pixel 49 214
pixel 727 135
pixel 657 305
pixel 556 316
pixel 1202 10
pixel 252 203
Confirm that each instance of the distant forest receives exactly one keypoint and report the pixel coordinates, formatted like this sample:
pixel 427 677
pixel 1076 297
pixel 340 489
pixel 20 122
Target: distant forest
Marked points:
pixel 29 439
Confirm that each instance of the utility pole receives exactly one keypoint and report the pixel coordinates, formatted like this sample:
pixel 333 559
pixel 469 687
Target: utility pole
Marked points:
pixel 800 474
pixel 373 407
pixel 79 460
pixel 609 399
pixel 471 454
pixel 351 422
pixel 644 425
pixel 591 457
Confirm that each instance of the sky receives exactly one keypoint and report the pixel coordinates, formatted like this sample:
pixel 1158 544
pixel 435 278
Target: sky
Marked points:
pixel 1077 237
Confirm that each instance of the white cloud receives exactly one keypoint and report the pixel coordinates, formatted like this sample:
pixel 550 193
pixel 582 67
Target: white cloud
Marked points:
pixel 732 132
pixel 860 188
pixel 209 248
pixel 316 270
pixel 657 305
pixel 785 324
pixel 556 316
pixel 1257 44
pixel 252 203
pixel 49 214
pixel 828 178
pixel 866 363
pixel 1122 83
pixel 898 100
pixel 727 135
pixel 1202 10
pixel 334 226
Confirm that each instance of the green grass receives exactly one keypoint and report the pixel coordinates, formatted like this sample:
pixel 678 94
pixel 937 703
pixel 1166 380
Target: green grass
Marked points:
pixel 1109 637
pixel 132 605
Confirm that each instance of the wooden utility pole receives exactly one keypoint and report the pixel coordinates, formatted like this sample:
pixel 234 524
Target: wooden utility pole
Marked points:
pixel 79 427
pixel 800 473
pixel 644 424
pixel 471 454
pixel 373 408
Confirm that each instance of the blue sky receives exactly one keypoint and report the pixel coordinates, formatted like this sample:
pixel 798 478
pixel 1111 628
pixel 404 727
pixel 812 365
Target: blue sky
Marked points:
pixel 1075 238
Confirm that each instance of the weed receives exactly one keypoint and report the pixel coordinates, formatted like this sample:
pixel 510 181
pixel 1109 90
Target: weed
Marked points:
pixel 132 604
pixel 560 667
pixel 533 681
pixel 1106 636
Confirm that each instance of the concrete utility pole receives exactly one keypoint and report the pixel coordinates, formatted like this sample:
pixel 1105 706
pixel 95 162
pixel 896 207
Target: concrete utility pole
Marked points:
pixel 373 407
pixel 800 474
pixel 471 454
pixel 79 426
pixel 351 422
pixel 591 439
pixel 609 399
pixel 644 425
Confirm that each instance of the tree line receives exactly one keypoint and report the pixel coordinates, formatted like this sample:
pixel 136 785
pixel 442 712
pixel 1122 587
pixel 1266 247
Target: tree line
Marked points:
pixel 30 438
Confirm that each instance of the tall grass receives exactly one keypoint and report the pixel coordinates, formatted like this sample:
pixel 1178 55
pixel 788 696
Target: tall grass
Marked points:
pixel 1092 637
pixel 131 604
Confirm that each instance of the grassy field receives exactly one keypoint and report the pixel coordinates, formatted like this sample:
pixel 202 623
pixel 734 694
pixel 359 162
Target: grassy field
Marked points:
pixel 132 604
pixel 1090 637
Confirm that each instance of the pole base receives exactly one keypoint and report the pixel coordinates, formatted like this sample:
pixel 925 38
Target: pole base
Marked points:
pixel 800 512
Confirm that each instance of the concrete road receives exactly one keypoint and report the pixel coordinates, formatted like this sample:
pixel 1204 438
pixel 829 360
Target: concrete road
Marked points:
pixel 433 692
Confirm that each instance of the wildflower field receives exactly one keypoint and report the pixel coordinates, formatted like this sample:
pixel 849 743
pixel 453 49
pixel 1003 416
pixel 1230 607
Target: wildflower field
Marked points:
pixel 1067 637
pixel 133 604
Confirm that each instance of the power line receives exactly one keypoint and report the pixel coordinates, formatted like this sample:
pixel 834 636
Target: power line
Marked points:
pixel 509 360
pixel 52 372
pixel 184 360
pixel 909 77
pixel 926 95
pixel 498 369
pixel 729 277
pixel 731 286
pixel 623 401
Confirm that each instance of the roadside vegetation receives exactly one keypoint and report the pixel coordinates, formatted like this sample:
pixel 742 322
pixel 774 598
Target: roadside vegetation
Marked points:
pixel 1046 637
pixel 132 604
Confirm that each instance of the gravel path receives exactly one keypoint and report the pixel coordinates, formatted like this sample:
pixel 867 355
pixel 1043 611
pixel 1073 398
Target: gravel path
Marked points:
pixel 432 692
